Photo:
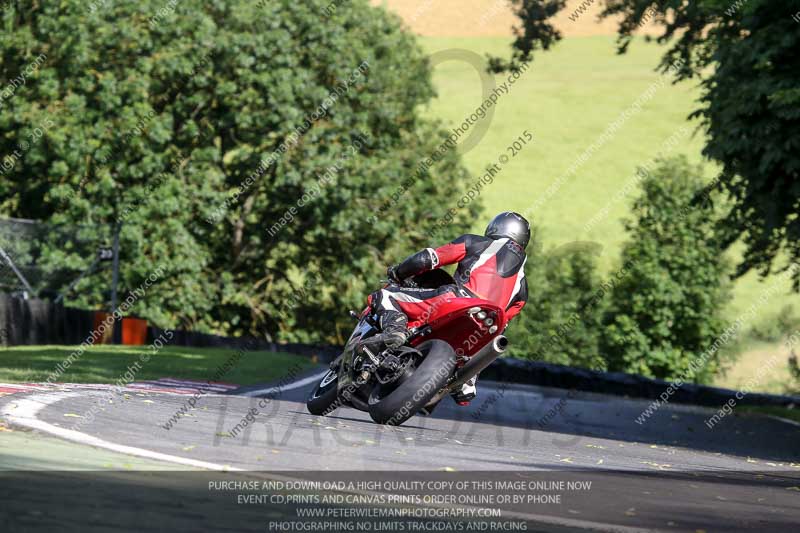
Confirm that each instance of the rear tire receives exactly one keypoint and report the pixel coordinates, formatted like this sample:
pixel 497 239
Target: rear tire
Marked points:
pixel 323 398
pixel 395 406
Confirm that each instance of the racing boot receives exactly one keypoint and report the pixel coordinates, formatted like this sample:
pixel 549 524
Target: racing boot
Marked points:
pixel 466 393
pixel 393 333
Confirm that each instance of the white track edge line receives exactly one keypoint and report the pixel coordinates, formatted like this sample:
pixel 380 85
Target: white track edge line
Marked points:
pixel 785 420
pixel 24 414
pixel 295 385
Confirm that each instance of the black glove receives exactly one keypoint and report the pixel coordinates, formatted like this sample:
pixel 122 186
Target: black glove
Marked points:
pixel 391 272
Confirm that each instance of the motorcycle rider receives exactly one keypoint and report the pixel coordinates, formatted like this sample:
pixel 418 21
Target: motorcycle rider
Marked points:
pixel 490 267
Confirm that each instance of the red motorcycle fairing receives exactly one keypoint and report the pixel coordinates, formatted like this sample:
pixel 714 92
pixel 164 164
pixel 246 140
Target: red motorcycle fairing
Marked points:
pixel 453 318
pixel 456 321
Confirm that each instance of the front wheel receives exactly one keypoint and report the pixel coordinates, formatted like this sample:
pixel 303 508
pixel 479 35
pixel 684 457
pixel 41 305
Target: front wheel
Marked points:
pixel 396 402
pixel 323 400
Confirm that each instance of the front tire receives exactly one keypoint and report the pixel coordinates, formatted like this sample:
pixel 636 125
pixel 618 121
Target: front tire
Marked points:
pixel 322 400
pixel 393 405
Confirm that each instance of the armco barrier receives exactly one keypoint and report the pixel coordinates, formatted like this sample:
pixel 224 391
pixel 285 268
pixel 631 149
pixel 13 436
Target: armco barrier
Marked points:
pixel 510 370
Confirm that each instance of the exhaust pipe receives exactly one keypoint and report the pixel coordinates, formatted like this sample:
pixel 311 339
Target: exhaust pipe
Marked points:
pixel 480 360
pixel 475 365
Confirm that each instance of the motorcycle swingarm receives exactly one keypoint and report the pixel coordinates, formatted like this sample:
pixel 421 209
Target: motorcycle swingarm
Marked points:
pixel 395 364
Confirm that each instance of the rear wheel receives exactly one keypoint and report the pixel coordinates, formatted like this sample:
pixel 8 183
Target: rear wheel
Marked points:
pixel 322 400
pixel 396 402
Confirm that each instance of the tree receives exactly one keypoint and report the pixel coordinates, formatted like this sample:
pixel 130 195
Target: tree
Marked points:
pixel 745 54
pixel 562 321
pixel 242 146
pixel 667 311
pixel 535 33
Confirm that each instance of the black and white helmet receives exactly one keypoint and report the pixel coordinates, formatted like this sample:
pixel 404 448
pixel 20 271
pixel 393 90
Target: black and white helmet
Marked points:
pixel 511 225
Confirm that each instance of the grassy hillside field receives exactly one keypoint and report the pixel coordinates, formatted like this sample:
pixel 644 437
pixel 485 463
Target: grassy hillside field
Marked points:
pixel 567 99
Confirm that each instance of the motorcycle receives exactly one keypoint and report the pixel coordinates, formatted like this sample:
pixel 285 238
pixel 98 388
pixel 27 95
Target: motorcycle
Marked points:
pixel 444 348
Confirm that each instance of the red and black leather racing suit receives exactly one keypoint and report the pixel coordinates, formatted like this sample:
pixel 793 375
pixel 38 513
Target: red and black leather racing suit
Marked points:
pixel 491 269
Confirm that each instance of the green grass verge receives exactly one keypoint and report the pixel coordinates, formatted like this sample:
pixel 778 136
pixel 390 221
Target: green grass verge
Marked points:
pixel 107 364
pixel 26 450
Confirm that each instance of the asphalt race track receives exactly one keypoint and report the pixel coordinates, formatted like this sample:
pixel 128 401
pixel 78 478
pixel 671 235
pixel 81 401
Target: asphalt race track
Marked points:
pixel 670 473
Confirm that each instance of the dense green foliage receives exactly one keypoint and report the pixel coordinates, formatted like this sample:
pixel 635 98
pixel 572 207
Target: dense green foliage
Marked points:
pixel 655 314
pixel 745 53
pixel 535 32
pixel 667 310
pixel 562 321
pixel 244 147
